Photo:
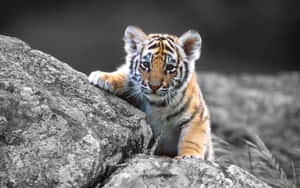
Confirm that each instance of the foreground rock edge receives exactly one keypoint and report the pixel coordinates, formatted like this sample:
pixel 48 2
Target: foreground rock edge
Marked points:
pixel 57 130
pixel 146 171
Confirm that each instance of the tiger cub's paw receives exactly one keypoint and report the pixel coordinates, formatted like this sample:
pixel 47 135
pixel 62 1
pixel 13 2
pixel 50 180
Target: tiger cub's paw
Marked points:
pixel 188 157
pixel 102 80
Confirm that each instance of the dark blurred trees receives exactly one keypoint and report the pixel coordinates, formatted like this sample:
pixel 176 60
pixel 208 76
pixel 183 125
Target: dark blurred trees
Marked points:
pixel 238 36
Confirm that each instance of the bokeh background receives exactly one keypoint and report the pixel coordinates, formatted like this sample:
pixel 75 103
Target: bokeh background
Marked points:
pixel 253 36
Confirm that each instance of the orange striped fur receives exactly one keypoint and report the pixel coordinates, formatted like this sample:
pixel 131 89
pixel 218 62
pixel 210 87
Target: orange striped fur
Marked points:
pixel 159 77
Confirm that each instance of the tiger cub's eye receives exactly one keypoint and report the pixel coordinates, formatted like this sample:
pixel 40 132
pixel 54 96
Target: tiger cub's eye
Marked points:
pixel 170 67
pixel 145 64
pixel 145 61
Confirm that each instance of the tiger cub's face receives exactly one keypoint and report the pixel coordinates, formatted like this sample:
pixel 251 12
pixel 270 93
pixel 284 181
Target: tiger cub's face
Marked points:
pixel 160 64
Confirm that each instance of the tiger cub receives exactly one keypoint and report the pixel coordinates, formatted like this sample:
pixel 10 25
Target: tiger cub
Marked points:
pixel 159 77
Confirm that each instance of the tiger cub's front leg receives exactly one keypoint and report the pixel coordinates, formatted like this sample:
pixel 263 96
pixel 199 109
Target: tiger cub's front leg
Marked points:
pixel 195 140
pixel 114 82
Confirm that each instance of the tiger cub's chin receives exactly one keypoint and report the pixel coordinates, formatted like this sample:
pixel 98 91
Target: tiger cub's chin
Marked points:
pixel 154 97
pixel 159 77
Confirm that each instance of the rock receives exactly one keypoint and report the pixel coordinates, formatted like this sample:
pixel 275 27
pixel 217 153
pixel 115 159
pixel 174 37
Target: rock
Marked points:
pixel 149 171
pixel 56 130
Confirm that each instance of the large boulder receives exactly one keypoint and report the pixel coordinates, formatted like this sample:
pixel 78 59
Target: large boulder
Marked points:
pixel 56 130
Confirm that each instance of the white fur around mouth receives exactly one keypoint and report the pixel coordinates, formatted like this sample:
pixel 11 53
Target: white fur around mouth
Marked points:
pixel 154 97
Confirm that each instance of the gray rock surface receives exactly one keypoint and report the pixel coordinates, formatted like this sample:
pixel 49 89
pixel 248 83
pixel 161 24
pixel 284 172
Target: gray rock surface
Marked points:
pixel 144 171
pixel 56 130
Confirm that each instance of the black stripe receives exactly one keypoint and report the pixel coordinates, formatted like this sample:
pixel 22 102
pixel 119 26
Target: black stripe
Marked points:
pixel 185 75
pixel 170 43
pixel 132 62
pixel 135 64
pixel 151 41
pixel 178 81
pixel 144 68
pixel 155 36
pixel 182 74
pixel 180 110
pixel 169 49
pixel 156 53
pixel 180 70
pixel 186 70
pixel 178 58
pixel 169 38
pixel 155 45
pixel 181 125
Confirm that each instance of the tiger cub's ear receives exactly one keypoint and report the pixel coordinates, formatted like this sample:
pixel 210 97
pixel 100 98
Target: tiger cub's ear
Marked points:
pixel 134 38
pixel 191 44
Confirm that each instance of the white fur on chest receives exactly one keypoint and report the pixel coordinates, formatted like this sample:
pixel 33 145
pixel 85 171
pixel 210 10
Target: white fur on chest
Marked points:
pixel 163 129
pixel 157 118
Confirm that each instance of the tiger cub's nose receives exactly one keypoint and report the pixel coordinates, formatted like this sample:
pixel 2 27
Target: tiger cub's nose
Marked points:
pixel 154 87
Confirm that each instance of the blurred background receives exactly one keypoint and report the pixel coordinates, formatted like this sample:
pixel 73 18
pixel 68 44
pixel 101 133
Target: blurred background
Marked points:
pixel 258 37
pixel 252 36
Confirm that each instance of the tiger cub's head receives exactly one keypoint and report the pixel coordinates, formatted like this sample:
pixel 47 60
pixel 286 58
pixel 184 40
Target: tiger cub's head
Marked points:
pixel 160 65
